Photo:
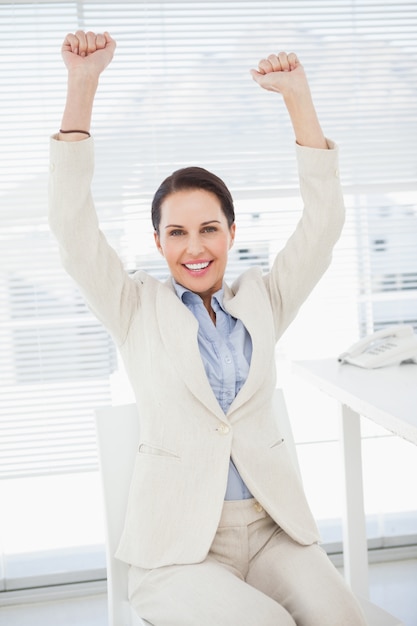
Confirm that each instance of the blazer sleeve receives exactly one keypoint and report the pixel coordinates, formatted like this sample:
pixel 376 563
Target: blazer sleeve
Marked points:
pixel 308 252
pixel 85 253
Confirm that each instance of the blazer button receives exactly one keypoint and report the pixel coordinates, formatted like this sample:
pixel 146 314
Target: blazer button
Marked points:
pixel 258 507
pixel 223 429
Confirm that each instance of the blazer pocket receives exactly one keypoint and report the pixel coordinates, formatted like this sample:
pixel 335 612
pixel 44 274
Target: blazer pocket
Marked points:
pixel 148 450
pixel 277 443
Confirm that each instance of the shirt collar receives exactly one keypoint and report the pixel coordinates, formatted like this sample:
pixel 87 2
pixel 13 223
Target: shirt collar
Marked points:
pixel 180 290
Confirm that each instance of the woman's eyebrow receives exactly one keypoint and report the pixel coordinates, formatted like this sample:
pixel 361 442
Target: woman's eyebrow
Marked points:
pixel 202 224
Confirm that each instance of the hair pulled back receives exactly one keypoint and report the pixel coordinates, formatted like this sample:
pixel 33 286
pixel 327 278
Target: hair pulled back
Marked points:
pixel 193 178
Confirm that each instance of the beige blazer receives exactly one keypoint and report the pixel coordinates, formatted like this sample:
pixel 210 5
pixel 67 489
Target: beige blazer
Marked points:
pixel 179 480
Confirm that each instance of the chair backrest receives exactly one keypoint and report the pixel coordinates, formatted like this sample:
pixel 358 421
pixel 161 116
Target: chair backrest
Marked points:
pixel 117 430
pixel 117 439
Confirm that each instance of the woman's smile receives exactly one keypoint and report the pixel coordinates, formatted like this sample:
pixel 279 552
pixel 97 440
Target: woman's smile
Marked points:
pixel 196 267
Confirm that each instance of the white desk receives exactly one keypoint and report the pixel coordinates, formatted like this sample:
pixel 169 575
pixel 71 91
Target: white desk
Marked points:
pixel 388 396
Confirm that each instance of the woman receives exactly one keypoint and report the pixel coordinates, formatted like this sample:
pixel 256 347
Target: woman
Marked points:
pixel 218 530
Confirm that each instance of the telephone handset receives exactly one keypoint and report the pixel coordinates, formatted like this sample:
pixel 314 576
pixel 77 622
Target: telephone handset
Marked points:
pixel 388 346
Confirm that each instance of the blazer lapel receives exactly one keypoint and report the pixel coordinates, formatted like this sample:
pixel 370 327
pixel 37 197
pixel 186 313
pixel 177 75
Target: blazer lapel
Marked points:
pixel 248 309
pixel 179 329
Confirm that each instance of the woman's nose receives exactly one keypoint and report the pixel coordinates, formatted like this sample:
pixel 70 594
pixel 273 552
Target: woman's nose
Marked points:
pixel 194 245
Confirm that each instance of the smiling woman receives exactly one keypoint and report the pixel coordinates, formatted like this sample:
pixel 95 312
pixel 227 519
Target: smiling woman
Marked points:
pixel 178 93
pixel 195 238
pixel 219 388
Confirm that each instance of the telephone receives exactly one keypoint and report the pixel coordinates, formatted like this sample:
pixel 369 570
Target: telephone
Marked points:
pixel 388 346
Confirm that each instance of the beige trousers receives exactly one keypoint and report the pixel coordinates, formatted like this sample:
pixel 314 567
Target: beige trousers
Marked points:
pixel 254 575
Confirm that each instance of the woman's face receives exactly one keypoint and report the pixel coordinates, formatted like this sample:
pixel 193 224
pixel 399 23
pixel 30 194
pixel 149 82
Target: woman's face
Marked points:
pixel 195 239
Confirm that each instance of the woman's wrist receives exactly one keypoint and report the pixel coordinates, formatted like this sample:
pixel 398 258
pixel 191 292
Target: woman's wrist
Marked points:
pixel 78 111
pixel 81 87
pixel 73 135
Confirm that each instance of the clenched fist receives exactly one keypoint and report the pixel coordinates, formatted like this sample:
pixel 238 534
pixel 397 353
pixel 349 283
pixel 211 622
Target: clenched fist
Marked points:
pixel 87 50
pixel 282 73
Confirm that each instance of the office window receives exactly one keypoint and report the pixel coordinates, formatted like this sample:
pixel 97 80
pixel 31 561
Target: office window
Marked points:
pixel 179 92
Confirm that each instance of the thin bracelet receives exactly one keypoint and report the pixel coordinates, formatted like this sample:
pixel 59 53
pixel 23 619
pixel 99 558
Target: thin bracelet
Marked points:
pixel 83 132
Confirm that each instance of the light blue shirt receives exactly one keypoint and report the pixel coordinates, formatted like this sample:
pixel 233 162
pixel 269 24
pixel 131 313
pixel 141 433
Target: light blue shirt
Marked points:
pixel 226 351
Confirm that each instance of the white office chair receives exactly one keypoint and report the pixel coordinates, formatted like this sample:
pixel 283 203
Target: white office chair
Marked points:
pixel 117 438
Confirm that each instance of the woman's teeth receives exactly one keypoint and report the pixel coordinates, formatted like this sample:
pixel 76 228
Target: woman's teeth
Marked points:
pixel 196 266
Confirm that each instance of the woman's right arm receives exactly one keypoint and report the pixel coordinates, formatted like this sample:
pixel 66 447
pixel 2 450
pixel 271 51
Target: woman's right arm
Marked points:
pixel 86 56
pixel 85 253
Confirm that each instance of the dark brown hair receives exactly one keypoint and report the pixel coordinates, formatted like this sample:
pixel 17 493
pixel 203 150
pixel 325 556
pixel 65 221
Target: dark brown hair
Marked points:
pixel 193 178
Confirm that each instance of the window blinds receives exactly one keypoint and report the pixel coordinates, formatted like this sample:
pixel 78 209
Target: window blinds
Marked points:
pixel 179 92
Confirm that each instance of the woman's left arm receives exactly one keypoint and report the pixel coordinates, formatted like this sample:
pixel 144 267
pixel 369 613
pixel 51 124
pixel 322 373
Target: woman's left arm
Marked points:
pixel 307 254
pixel 284 74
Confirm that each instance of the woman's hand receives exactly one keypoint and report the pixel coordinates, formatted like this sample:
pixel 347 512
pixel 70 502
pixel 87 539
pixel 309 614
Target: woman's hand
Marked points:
pixel 284 74
pixel 89 52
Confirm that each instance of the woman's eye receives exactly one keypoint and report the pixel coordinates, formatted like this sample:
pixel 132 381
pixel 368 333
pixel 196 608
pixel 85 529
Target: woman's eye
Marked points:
pixel 209 229
pixel 175 233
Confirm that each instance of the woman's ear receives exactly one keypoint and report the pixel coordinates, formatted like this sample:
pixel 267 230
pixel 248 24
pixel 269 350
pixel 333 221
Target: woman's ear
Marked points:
pixel 158 242
pixel 232 230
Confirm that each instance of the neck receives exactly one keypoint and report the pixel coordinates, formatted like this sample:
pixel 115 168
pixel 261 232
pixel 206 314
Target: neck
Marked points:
pixel 207 303
pixel 212 314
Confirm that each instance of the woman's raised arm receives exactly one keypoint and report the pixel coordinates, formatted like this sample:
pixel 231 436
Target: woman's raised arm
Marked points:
pixel 284 74
pixel 86 55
